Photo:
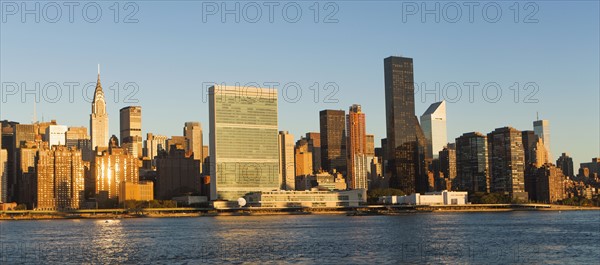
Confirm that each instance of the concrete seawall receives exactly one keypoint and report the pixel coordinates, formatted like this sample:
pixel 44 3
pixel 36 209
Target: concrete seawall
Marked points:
pixel 254 211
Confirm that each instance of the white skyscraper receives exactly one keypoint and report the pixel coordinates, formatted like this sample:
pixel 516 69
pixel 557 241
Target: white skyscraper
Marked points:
pixel 287 167
pixel 541 128
pixel 56 135
pixel 433 122
pixel 99 118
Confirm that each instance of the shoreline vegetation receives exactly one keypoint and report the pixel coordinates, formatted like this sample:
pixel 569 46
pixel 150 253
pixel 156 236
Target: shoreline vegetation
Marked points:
pixel 379 210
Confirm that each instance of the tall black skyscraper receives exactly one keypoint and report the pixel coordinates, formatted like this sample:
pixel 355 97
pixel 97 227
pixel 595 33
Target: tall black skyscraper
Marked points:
pixel 333 140
pixel 407 145
pixel 565 162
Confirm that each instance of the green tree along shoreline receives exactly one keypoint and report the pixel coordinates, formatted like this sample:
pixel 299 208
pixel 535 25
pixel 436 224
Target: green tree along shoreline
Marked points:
pixel 148 204
pixel 373 195
pixel 486 198
pixel 580 201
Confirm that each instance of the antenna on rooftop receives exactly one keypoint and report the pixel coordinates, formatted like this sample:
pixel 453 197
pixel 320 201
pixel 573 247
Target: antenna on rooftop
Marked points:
pixel 34 112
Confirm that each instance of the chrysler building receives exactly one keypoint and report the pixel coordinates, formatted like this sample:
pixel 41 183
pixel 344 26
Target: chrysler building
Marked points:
pixel 99 118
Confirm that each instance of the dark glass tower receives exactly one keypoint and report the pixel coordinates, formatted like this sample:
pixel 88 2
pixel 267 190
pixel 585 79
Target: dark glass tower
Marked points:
pixel 507 162
pixel 565 162
pixel 333 140
pixel 407 145
pixel 472 163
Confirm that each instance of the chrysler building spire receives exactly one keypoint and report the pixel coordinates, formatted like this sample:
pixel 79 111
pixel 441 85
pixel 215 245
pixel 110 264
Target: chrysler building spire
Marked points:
pixel 99 117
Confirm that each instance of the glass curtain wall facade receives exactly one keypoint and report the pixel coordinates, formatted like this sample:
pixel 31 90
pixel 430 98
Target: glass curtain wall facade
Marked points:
pixel 243 141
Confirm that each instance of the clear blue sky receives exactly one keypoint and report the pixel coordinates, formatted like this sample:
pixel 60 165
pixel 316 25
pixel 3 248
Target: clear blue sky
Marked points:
pixel 170 52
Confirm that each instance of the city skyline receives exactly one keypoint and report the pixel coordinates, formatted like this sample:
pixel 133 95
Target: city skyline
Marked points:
pixel 170 71
pixel 107 105
pixel 317 132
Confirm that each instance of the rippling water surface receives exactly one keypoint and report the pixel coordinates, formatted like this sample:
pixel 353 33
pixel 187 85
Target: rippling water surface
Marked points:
pixel 432 238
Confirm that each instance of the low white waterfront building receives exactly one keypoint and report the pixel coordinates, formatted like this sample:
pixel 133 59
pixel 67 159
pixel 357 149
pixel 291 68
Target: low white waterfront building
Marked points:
pixel 309 199
pixel 431 198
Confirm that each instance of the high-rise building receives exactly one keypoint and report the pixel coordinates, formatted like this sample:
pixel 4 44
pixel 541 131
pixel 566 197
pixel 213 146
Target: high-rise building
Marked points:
pixel 23 133
pixel 507 162
pixel 370 149
pixel 192 132
pixel 77 137
pixel 112 167
pixel 407 145
pixel 565 163
pixel 377 180
pixel 535 157
pixel 385 158
pixel 357 149
pixel 99 118
pixel 60 179
pixel 131 130
pixel 8 143
pixel 287 170
pixel 542 130
pixel 529 143
pixel 433 122
pixel 362 169
pixel 205 160
pixel 370 153
pixel 153 145
pixel 40 128
pixel 177 141
pixel 550 184
pixel 314 146
pixel 26 171
pixel 244 154
pixel 447 160
pixel 3 163
pixel 333 140
pixel 56 135
pixel 540 154
pixel 593 167
pixel 303 158
pixel 3 173
pixel 472 168
pixel 535 149
pixel 178 173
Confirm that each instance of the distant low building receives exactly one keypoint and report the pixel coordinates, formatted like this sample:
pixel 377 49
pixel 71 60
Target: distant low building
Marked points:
pixel 432 198
pixel 190 200
pixel 142 191
pixel 9 206
pixel 308 199
pixel 331 182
